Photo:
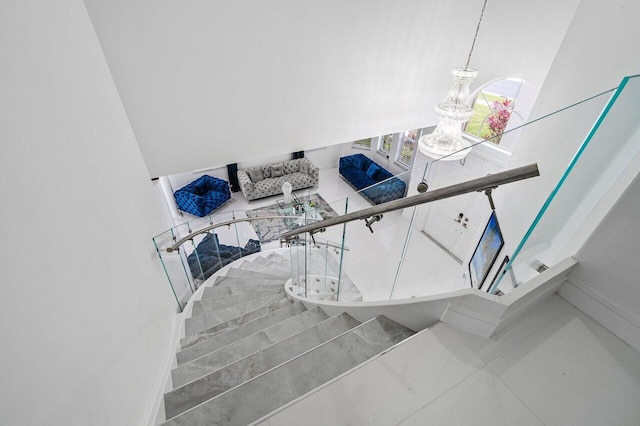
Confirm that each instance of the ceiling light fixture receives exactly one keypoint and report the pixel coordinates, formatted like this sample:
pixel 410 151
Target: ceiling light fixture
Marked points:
pixel 446 142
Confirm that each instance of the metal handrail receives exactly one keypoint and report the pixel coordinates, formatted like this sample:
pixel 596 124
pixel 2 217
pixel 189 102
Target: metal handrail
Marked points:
pixel 322 242
pixel 192 235
pixel 474 185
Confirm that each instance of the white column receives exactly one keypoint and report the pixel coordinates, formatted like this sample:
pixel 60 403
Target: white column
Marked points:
pixel 167 190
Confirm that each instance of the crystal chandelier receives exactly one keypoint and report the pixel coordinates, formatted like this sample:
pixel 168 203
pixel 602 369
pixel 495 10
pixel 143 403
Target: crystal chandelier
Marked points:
pixel 446 142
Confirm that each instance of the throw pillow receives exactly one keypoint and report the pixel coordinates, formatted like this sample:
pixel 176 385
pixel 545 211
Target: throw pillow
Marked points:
pixel 304 167
pixel 277 170
pixel 371 171
pixel 255 174
pixel 266 172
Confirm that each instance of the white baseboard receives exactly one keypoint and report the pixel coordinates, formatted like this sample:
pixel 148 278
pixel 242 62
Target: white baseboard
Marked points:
pixel 618 320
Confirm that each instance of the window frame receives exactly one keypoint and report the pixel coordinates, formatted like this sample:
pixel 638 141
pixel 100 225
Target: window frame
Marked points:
pixel 404 137
pixel 480 92
pixel 355 144
pixel 380 149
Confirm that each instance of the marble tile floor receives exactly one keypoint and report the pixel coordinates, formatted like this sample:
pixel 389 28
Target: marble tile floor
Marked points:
pixel 555 366
pixel 373 259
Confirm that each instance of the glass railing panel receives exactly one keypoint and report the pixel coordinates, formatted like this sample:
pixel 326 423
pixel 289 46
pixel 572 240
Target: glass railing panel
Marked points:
pixel 315 258
pixel 173 264
pixel 211 251
pixel 297 285
pixel 442 235
pixel 587 189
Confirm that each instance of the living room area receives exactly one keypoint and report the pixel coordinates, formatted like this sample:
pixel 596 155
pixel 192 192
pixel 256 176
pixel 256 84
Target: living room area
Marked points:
pixel 394 267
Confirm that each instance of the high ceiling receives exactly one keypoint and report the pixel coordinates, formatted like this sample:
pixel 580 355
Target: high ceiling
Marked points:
pixel 207 83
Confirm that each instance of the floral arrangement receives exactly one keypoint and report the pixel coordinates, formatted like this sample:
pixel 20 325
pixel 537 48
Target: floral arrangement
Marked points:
pixel 498 119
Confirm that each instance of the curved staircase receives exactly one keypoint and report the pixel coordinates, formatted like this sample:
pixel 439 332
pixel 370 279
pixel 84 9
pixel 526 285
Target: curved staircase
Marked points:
pixel 249 349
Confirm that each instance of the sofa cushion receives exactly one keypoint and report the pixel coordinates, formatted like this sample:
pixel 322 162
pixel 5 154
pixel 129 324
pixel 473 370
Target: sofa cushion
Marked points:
pixel 358 162
pixel 372 170
pixel 266 171
pixel 277 170
pixel 265 187
pixel 291 167
pixel 304 167
pixel 255 174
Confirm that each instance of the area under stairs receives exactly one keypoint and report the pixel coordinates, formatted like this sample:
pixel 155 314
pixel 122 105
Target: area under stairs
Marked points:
pixel 249 349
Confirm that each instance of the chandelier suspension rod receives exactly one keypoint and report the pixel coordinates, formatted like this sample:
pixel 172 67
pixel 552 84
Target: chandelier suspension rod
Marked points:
pixel 476 35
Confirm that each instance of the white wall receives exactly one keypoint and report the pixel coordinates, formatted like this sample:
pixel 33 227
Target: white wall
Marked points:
pixel 599 49
pixel 87 315
pixel 605 283
pixel 241 80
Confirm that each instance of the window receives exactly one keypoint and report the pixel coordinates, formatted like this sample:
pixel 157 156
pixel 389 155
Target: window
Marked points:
pixel 493 108
pixel 362 144
pixel 384 144
pixel 407 148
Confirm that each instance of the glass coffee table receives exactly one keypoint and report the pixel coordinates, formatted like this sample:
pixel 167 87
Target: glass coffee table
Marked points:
pixel 301 212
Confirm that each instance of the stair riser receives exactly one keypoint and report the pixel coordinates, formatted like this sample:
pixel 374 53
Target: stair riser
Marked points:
pixel 205 321
pixel 256 267
pixel 233 290
pixel 223 339
pixel 232 323
pixel 214 304
pixel 240 273
pixel 247 346
pixel 279 268
pixel 245 369
pixel 260 396
pixel 246 279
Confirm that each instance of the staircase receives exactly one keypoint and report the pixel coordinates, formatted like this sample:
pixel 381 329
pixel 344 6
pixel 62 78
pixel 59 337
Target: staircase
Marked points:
pixel 249 349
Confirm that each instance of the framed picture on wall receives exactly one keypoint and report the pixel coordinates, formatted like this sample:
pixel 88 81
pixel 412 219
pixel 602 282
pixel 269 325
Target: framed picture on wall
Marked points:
pixel 486 252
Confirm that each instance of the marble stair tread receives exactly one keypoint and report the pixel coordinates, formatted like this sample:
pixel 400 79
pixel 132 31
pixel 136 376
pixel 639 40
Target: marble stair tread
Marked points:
pixel 246 346
pixel 275 266
pixel 213 384
pixel 268 391
pixel 231 335
pixel 237 272
pixel 207 320
pixel 241 286
pixel 193 339
pixel 233 290
pixel 256 267
pixel 223 280
pixel 211 304
pixel 280 260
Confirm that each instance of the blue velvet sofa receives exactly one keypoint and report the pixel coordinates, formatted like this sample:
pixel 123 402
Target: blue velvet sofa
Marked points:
pixel 362 172
pixel 209 255
pixel 203 195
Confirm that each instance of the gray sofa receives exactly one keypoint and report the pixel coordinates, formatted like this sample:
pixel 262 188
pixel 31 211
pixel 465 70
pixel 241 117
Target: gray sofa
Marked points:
pixel 263 181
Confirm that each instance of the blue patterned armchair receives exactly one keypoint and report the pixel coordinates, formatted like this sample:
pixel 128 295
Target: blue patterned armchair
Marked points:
pixel 203 195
